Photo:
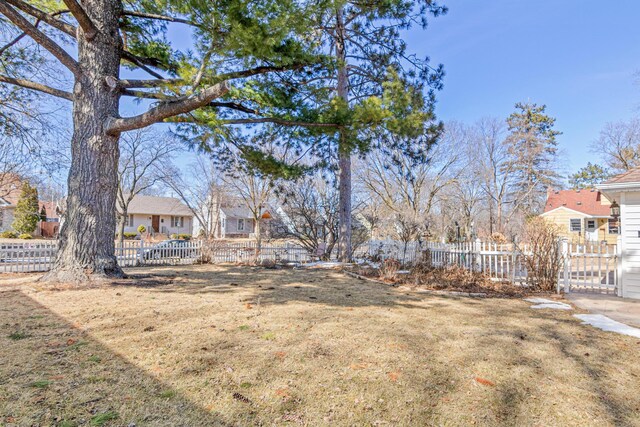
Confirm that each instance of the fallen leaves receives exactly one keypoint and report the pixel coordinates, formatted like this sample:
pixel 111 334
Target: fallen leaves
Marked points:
pixel 241 398
pixel 486 382
pixel 393 376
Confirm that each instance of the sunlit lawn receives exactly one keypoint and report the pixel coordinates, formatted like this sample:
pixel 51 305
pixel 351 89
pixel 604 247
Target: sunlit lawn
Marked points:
pixel 240 346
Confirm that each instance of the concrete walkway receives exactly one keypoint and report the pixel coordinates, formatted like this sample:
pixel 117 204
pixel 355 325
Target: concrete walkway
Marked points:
pixel 623 310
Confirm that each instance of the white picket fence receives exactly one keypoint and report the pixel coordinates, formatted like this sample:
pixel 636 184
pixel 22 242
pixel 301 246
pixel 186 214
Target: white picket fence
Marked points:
pixel 585 267
pixel 39 256
pixel 591 267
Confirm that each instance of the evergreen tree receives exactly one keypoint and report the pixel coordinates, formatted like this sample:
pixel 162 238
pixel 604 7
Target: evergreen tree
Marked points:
pixel 43 214
pixel 26 215
pixel 533 150
pixel 239 54
pixel 589 176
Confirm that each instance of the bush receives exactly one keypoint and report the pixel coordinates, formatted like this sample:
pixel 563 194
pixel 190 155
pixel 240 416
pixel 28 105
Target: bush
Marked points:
pixel 542 254
pixel 184 236
pixel 174 236
pixel 9 234
pixel 130 235
pixel 141 229
pixel 25 236
pixel 389 269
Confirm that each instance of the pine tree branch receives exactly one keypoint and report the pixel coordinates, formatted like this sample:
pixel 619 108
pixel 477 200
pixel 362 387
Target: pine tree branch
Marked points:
pixel 28 84
pixel 39 37
pixel 44 17
pixel 167 110
pixel 88 27
pixel 158 17
pixel 149 83
pixel 141 64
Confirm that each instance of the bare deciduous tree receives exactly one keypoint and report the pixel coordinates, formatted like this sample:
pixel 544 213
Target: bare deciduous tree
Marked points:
pixel 145 161
pixel 619 145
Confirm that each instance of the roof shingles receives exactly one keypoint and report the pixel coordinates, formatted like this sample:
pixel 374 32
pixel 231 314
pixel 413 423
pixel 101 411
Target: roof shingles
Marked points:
pixel 588 202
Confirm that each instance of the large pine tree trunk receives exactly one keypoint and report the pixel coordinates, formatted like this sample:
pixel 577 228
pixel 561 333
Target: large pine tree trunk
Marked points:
pixel 344 152
pixel 86 247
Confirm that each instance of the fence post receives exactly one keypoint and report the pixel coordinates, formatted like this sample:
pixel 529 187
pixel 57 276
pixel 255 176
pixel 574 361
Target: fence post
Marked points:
pixel 141 252
pixel 564 251
pixel 619 273
pixel 477 259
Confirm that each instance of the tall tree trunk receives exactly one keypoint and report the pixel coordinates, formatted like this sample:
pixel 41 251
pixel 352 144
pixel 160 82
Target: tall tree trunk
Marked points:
pixel 344 150
pixel 92 183
pixel 121 225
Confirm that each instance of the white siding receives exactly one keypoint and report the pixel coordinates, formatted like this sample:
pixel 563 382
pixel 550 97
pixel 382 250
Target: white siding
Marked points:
pixel 630 223
pixel 164 223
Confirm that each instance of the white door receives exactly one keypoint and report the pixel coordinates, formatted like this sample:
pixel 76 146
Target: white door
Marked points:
pixel 591 231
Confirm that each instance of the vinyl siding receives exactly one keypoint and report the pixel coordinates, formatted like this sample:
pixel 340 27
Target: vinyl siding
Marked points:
pixel 561 217
pixel 630 213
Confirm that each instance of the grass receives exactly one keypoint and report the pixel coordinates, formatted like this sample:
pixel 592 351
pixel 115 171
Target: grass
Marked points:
pixel 315 348
pixel 16 336
pixel 40 384
pixel 103 418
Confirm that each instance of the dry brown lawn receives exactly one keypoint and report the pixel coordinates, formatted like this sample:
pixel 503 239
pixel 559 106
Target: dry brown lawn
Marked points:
pixel 227 345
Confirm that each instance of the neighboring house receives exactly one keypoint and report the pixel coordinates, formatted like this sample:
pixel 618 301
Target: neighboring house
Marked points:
pixel 582 215
pixel 624 190
pixel 238 222
pixel 166 215
pixel 51 226
pixel 9 195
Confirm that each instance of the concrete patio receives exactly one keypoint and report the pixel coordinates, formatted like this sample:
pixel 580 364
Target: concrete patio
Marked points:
pixel 621 309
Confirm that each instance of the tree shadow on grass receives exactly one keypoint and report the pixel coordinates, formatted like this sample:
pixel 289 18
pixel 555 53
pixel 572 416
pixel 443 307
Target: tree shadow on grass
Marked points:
pixel 53 373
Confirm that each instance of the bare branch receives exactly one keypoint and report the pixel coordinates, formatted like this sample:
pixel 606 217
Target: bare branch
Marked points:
pixel 133 83
pixel 281 122
pixel 40 38
pixel 28 84
pixel 88 27
pixel 44 17
pixel 164 111
pixel 157 17
pixel 140 63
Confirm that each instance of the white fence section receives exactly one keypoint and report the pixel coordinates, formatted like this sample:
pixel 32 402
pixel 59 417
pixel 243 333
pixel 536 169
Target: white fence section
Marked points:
pixel 39 256
pixel 584 267
pixel 591 267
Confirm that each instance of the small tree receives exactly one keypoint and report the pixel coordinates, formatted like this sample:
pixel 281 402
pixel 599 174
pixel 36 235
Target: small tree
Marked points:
pixel 43 214
pixel 27 210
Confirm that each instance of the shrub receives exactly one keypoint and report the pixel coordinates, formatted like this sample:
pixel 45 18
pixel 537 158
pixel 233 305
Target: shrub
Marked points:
pixel 9 234
pixel 542 258
pixel 174 236
pixel 25 236
pixel 130 235
pixel 141 229
pixel 184 236
pixel 389 269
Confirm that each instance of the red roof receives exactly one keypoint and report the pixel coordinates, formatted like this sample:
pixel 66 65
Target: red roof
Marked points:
pixel 629 176
pixel 588 202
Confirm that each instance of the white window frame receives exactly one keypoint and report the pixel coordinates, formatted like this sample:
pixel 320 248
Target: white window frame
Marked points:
pixel 573 229
pixel 610 220
pixel 241 221
pixel 177 221
pixel 130 220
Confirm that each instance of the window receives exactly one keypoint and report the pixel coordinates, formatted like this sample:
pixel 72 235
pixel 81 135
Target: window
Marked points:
pixel 240 224
pixel 614 226
pixel 129 221
pixel 177 221
pixel 591 224
pixel 575 224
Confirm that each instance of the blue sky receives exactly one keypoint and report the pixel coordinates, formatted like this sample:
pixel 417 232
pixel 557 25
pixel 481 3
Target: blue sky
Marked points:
pixel 578 57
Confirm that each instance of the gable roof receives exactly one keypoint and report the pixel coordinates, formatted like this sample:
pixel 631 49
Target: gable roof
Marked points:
pixel 588 202
pixel 153 205
pixel 630 176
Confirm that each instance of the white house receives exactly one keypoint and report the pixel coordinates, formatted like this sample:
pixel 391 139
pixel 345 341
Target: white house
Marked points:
pixel 239 222
pixel 166 215
pixel 624 192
